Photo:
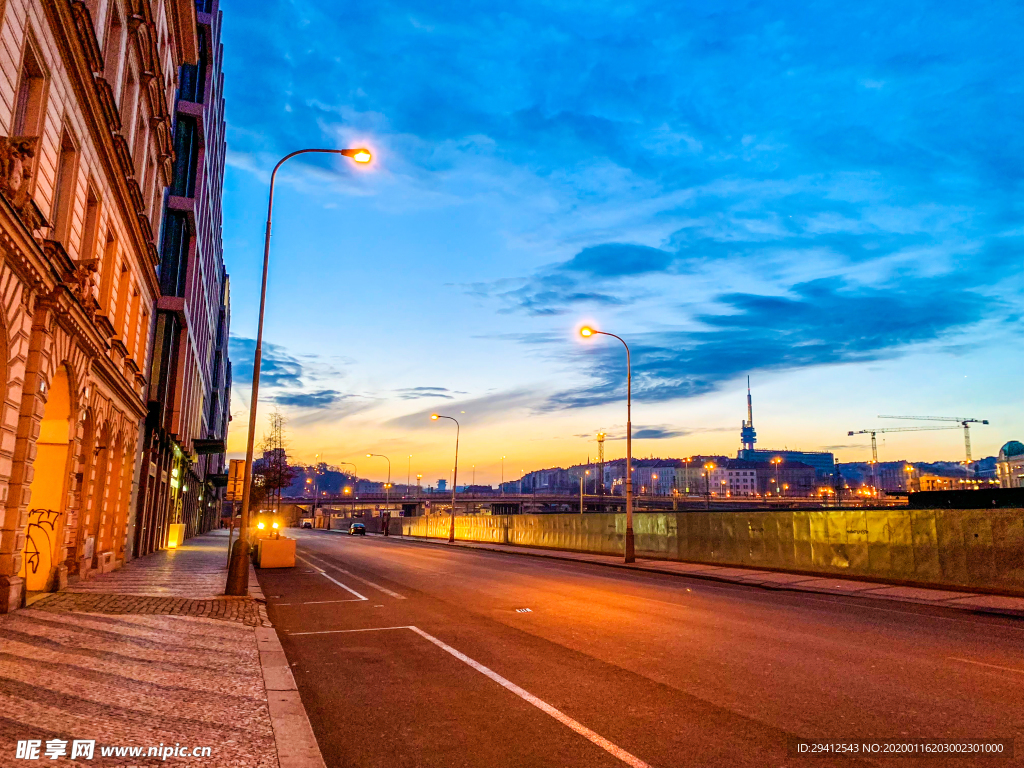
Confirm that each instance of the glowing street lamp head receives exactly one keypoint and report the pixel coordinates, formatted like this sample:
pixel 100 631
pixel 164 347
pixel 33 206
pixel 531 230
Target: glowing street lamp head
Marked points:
pixel 260 525
pixel 586 331
pixel 434 417
pixel 369 455
pixel 359 155
pixel 274 525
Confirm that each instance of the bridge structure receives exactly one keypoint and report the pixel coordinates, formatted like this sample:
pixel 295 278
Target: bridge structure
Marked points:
pixel 373 504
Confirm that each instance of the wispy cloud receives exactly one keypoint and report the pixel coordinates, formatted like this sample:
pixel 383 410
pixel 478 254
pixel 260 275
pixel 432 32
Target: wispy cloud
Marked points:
pixel 323 398
pixel 498 405
pixel 420 393
pixel 278 368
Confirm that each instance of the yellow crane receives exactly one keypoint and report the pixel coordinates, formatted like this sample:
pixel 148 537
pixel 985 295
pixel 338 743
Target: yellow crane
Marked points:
pixel 874 443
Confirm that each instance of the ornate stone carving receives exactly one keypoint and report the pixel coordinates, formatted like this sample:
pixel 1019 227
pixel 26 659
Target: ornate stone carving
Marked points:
pixel 82 282
pixel 16 169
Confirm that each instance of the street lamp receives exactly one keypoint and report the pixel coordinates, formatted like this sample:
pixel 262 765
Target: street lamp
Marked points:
pixel 707 484
pixel 776 461
pixel 238 570
pixel 587 332
pixel 387 486
pixel 455 477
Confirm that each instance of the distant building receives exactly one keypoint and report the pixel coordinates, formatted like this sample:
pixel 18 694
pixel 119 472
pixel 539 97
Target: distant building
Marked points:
pixel 442 485
pixel 897 476
pixel 930 482
pixel 824 463
pixel 738 477
pixel 1010 465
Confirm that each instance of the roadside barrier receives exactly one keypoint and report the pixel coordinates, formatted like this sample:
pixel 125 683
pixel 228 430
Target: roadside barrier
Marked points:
pixel 980 549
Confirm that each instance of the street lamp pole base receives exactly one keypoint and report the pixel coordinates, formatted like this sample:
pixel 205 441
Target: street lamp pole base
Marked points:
pixel 630 557
pixel 238 571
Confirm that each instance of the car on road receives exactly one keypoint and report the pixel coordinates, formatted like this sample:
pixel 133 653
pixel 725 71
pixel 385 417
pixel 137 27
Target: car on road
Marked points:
pixel 357 528
pixel 306 524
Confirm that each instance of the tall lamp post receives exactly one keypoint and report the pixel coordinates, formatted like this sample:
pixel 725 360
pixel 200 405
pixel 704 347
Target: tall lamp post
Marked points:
pixel 238 568
pixel 587 332
pixel 776 461
pixel 455 477
pixel 707 484
pixel 387 485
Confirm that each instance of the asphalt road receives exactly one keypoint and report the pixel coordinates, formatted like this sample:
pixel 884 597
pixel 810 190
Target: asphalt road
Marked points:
pixel 411 654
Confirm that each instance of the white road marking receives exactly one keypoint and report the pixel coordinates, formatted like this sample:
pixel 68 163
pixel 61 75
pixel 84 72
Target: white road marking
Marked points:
pixel 351 575
pixel 329 578
pixel 543 706
pixel 343 631
pixel 983 664
pixel 319 602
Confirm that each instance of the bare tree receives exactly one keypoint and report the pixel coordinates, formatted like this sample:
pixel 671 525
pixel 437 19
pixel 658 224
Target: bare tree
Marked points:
pixel 272 472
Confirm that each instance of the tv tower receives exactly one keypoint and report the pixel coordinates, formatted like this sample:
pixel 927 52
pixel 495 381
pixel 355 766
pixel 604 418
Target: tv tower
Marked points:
pixel 747 434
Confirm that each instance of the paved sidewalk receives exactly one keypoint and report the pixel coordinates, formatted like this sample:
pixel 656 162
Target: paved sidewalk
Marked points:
pixel 870 590
pixel 147 655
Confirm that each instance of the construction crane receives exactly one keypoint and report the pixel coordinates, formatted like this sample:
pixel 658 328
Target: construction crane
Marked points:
pixel 962 421
pixel 874 443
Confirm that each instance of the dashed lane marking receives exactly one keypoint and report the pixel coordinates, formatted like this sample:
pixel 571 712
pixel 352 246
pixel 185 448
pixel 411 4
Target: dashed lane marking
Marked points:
pixel 351 575
pixel 543 706
pixel 330 578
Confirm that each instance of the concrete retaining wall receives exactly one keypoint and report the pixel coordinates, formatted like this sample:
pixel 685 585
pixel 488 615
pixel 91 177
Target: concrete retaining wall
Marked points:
pixel 981 549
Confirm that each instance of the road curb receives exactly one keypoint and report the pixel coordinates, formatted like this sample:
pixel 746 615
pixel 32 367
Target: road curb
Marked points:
pixel 293 735
pixel 967 602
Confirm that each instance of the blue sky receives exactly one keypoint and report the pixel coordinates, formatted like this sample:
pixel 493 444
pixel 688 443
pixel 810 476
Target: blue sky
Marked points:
pixel 826 197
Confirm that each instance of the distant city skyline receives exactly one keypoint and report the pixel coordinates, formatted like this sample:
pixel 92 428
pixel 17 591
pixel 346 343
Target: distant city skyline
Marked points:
pixel 823 202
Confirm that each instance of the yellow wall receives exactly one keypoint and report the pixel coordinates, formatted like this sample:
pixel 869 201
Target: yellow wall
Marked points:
pixel 941 547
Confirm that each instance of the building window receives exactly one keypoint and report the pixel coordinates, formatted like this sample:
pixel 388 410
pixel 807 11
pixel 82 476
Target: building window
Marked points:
pixel 107 272
pixel 131 89
pixel 186 162
pixel 92 221
pixel 112 46
pixel 193 76
pixel 122 301
pixel 174 254
pixel 30 104
pixel 64 193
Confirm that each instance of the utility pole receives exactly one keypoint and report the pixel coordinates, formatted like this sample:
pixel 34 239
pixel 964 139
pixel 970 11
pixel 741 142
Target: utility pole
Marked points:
pixel 600 464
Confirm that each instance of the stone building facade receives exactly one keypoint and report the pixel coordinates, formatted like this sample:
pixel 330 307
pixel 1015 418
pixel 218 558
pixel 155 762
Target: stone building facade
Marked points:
pixel 87 90
pixel 183 463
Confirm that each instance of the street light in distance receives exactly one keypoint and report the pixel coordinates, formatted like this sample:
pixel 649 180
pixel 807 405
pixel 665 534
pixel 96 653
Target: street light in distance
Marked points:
pixel 455 476
pixel 628 554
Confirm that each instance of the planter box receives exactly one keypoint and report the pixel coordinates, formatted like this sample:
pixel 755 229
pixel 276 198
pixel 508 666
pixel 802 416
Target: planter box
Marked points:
pixel 275 553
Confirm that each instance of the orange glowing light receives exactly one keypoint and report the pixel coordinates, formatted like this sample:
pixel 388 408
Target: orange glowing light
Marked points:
pixel 359 155
pixel 586 331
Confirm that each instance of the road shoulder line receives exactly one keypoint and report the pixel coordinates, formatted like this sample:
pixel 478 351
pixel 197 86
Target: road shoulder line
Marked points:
pixel 330 578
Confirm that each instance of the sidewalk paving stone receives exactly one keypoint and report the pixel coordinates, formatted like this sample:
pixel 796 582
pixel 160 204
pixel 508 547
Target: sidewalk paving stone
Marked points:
pixel 150 654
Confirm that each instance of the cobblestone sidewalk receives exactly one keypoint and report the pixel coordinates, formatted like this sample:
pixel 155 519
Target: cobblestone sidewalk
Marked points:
pixel 148 655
